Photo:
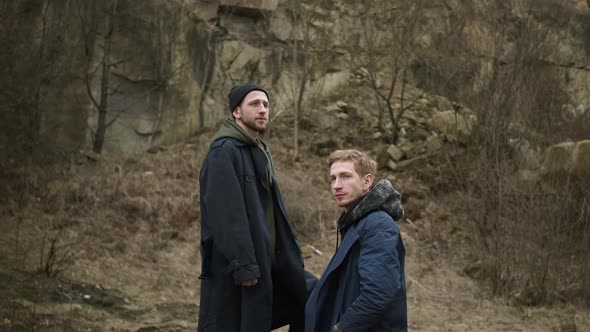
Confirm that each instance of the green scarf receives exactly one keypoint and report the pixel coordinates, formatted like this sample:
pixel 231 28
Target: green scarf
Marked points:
pixel 231 129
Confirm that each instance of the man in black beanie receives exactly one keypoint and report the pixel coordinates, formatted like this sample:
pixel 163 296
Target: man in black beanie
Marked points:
pixel 252 268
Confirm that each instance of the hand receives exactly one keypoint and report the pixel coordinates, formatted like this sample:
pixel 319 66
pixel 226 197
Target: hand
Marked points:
pixel 249 283
pixel 337 328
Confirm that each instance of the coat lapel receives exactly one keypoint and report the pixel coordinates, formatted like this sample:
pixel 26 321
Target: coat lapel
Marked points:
pixel 349 240
pixel 351 237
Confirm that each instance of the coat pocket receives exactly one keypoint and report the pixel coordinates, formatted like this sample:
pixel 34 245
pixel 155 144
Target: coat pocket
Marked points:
pixel 205 260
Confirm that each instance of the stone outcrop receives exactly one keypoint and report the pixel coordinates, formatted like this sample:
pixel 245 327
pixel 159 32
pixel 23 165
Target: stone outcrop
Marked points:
pixel 581 158
pixel 173 63
pixel 452 125
pixel 567 159
pixel 524 155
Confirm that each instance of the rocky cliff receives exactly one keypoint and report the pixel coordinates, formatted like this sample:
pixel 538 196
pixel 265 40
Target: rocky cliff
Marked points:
pixel 171 63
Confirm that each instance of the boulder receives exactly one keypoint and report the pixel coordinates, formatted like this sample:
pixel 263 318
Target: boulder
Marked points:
pixel 391 165
pixel 454 126
pixel 433 144
pixel 338 107
pixel 581 159
pixel 406 146
pixel 443 104
pixel 395 153
pixel 414 116
pixel 567 159
pixel 558 159
pixel 524 154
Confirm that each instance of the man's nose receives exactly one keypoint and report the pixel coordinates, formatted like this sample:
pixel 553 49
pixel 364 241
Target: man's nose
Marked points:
pixel 261 109
pixel 336 184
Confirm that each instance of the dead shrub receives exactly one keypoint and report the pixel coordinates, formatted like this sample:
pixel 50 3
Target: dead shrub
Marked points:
pixel 136 207
pixel 533 236
pixel 309 207
pixel 533 241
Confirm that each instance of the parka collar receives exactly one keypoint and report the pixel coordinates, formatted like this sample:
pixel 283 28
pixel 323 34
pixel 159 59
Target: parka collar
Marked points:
pixel 381 197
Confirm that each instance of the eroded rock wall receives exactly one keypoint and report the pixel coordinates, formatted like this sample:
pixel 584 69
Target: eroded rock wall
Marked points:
pixel 172 62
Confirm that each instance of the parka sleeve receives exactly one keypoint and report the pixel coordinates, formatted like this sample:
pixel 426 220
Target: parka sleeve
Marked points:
pixel 224 211
pixel 380 276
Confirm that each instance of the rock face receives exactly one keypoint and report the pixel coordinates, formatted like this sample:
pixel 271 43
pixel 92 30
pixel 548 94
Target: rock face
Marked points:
pixel 173 62
pixel 178 83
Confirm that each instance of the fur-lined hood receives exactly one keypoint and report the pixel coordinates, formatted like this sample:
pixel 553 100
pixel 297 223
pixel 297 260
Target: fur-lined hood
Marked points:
pixel 381 197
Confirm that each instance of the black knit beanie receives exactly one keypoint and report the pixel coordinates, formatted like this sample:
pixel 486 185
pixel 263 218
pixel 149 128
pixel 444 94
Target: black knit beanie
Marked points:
pixel 239 92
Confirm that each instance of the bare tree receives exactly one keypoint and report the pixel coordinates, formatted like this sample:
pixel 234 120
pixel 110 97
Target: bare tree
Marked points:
pixel 382 51
pixel 306 56
pixel 111 80
pixel 36 58
pixel 103 103
pixel 524 231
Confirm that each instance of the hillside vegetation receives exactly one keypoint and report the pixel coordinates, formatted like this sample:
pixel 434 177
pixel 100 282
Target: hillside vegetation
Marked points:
pixel 477 113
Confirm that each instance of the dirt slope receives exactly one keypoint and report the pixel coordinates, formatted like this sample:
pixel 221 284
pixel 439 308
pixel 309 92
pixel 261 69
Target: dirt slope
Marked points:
pixel 125 236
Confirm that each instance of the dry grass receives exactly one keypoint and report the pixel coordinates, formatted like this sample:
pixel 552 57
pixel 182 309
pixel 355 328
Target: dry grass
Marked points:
pixel 132 226
pixel 126 224
pixel 125 229
pixel 111 221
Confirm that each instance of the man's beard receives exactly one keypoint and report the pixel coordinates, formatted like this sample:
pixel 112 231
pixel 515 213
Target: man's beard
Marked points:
pixel 252 125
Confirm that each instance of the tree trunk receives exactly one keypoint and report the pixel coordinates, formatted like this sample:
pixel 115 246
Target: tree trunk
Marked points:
pixel 104 84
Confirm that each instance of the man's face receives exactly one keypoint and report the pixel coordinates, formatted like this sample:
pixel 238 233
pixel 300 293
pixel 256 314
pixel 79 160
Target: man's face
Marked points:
pixel 252 114
pixel 347 185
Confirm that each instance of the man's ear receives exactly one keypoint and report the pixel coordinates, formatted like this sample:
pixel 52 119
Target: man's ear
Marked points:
pixel 367 181
pixel 237 113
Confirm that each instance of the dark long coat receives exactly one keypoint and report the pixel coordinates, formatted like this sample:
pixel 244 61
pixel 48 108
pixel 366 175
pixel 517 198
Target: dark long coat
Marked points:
pixel 236 245
pixel 363 286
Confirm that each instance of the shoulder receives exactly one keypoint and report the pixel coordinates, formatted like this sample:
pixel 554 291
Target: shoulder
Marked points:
pixel 226 143
pixel 225 147
pixel 222 153
pixel 377 221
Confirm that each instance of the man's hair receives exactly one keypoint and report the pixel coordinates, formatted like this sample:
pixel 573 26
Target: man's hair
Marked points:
pixel 363 164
